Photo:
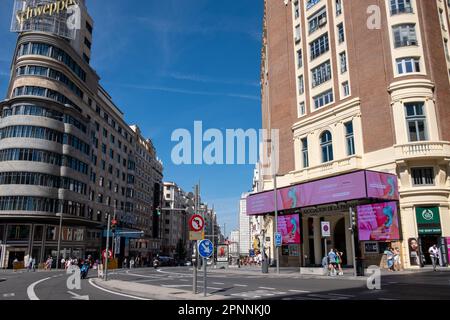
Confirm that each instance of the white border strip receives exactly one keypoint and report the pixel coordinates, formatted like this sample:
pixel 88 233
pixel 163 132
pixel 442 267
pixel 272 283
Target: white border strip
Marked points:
pixel 116 293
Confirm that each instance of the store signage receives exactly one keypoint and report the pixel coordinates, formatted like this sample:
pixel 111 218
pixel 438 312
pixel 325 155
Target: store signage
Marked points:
pixel 371 248
pixel 29 12
pixel 428 220
pixel 353 186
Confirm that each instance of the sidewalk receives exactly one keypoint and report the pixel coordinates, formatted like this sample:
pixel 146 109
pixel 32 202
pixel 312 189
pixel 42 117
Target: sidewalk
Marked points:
pixel 153 292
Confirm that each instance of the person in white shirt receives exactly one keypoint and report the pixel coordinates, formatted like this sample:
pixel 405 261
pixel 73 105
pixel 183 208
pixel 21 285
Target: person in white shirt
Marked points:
pixel 434 255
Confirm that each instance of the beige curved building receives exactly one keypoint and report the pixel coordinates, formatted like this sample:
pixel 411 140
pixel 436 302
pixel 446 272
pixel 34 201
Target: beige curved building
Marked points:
pixel 66 148
pixel 354 86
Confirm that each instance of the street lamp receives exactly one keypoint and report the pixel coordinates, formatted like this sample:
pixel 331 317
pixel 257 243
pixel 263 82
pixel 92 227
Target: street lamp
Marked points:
pixel 60 215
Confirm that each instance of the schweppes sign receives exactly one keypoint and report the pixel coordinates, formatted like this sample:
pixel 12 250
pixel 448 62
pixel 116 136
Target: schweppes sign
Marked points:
pixel 49 9
pixel 60 17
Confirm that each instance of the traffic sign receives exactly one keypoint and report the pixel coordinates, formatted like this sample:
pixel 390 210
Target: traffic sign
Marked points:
pixel 326 229
pixel 109 254
pixel 205 248
pixel 278 239
pixel 196 223
pixel 195 236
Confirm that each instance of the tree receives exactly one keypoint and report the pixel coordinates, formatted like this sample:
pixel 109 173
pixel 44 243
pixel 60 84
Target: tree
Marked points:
pixel 181 250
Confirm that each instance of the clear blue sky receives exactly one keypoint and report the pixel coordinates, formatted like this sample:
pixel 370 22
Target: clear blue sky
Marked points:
pixel 169 63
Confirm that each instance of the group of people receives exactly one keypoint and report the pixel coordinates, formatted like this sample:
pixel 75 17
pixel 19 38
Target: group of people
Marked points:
pixel 333 263
pixel 251 261
pixel 393 259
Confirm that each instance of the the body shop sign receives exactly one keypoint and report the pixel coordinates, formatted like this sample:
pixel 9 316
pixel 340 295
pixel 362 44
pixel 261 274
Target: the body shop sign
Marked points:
pixel 428 220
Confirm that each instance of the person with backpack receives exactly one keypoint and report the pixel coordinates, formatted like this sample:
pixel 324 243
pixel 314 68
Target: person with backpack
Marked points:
pixel 332 262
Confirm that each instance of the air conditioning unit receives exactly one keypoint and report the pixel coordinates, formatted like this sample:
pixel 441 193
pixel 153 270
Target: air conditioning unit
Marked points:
pixel 322 21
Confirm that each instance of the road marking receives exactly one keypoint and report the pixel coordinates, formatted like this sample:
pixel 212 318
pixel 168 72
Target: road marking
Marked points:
pixel 219 283
pixel 9 295
pixel 299 291
pixel 175 285
pixel 77 296
pixel 266 288
pixel 30 290
pixel 184 280
pixel 116 293
pixel 341 295
pixel 240 285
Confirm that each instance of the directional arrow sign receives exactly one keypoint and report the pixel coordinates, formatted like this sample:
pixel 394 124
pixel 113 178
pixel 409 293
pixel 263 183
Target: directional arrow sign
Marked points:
pixel 205 248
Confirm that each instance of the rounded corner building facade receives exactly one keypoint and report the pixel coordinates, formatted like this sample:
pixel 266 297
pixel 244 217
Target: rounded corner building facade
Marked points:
pixel 67 157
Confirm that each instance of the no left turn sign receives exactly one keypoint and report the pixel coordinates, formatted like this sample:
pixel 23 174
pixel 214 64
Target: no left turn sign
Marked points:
pixel 197 223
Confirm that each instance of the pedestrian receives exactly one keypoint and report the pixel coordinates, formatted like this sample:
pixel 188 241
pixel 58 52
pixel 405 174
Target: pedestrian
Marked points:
pixel 434 255
pixel 397 261
pixel 332 263
pixel 339 262
pixel 389 258
pixel 63 262
pixel 33 264
pixel 125 263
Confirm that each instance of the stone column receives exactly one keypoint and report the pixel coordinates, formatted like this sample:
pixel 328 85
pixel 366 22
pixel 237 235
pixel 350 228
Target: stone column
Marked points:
pixel 317 242
pixel 305 246
pixel 348 240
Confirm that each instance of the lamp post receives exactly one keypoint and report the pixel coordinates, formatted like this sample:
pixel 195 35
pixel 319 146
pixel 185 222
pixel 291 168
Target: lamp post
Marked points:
pixel 60 215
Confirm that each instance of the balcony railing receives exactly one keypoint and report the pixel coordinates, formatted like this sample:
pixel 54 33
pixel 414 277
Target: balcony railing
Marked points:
pixel 422 149
pixel 337 166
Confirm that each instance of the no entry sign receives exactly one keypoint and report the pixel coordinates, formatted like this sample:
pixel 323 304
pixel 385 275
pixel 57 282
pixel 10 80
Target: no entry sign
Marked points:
pixel 196 223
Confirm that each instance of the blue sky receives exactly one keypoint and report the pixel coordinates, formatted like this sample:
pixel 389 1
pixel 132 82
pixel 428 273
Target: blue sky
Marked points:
pixel 169 63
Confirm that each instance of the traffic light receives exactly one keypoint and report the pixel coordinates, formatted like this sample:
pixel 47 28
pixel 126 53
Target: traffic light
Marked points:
pixel 353 219
pixel 114 223
pixel 158 211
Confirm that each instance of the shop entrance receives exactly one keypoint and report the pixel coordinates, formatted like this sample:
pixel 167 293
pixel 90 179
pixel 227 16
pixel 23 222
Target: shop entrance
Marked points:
pixel 15 254
pixel 339 239
pixel 425 243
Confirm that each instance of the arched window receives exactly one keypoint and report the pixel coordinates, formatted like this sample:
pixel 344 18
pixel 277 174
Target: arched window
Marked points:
pixel 326 144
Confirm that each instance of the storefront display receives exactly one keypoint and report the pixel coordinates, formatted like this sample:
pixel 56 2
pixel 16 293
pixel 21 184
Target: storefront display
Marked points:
pixel 378 222
pixel 414 252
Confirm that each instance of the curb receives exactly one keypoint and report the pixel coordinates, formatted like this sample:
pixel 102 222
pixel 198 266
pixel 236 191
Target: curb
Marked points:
pixel 154 292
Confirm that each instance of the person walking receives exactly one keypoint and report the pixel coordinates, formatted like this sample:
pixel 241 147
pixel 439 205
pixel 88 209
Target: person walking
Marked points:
pixel 33 264
pixel 397 260
pixel 332 262
pixel 434 255
pixel 339 256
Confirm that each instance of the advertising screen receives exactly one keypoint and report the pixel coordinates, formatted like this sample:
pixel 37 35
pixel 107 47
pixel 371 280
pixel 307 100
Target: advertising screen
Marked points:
pixel 222 253
pixel 382 186
pixel 289 227
pixel 378 222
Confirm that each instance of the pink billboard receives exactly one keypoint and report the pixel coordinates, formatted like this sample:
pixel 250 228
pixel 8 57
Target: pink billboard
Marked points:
pixel 382 186
pixel 378 222
pixel 353 186
pixel 289 227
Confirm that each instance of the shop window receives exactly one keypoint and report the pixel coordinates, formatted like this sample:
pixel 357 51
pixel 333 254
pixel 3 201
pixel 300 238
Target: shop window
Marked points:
pixel 51 234
pixel 38 233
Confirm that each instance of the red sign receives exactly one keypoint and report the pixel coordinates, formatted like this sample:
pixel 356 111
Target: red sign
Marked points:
pixel 109 254
pixel 197 223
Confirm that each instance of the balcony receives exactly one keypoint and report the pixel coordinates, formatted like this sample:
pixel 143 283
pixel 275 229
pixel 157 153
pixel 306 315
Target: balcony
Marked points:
pixel 424 149
pixel 330 168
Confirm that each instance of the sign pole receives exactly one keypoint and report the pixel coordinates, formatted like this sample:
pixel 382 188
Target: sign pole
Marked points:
pixel 355 273
pixel 205 277
pixel 325 246
pixel 194 265
pixel 107 248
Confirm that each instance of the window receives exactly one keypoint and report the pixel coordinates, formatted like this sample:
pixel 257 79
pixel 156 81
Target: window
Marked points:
pixel 350 138
pixel 311 3
pixel 296 10
pixel 405 35
pixel 297 34
pixel 401 6
pixel 323 99
pixel 299 59
pixel 301 109
pixel 104 148
pixel 317 20
pixel 343 59
pixel 416 121
pixel 341 34
pixel 326 144
pixel 422 176
pixel 87 43
pixel 321 74
pixel 338 7
pixel 301 86
pixel 408 65
pixel 89 27
pixel 305 157
pixel 345 89
pixel 319 46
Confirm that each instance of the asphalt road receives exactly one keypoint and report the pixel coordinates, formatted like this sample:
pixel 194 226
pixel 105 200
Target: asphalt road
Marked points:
pixel 53 286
